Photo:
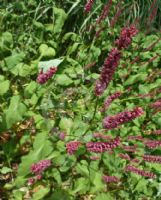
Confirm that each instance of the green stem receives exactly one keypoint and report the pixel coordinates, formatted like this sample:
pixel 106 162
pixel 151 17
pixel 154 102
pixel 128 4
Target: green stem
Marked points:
pixel 94 113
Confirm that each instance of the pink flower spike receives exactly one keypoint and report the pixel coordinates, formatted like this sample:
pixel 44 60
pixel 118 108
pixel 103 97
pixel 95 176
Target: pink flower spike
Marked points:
pixel 151 158
pixel 43 77
pixel 62 136
pixel 110 179
pixel 88 6
pixel 72 147
pixel 140 172
pixel 109 100
pixel 108 69
pixel 114 121
pixel 152 144
pixel 39 167
pixel 100 147
pixel 31 181
pixel 125 156
pixel 125 38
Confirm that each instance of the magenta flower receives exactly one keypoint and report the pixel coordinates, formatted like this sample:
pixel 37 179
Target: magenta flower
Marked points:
pixel 152 143
pixel 44 77
pixel 88 6
pixel 108 69
pixel 109 100
pixel 114 121
pixel 125 38
pixel 153 159
pixel 135 137
pixel 100 147
pixel 62 136
pixel 156 104
pixel 140 172
pixel 125 156
pixel 39 177
pixel 31 181
pixel 39 167
pixel 128 148
pixel 110 179
pixel 156 132
pixel 72 147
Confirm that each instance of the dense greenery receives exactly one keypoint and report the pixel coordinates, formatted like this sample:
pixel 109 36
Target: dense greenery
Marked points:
pixel 38 35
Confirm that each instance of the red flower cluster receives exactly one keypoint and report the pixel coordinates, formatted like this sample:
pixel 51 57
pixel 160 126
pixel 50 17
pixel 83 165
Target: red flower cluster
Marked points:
pixel 111 122
pixel 72 147
pixel 108 70
pixel 131 168
pixel 109 100
pixel 150 158
pixel 39 167
pixel 32 180
pixel 99 147
pixel 88 6
pixel 130 148
pixel 62 136
pixel 125 156
pixel 152 143
pixel 44 77
pixel 126 35
pixel 135 137
pixel 156 104
pixel 156 132
pixel 110 179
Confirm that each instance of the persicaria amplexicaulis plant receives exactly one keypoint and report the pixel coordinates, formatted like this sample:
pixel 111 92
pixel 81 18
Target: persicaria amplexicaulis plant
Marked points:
pixel 95 129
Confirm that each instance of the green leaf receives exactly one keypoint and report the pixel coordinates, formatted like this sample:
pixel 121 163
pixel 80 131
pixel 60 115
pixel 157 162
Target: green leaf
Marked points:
pixel 14 59
pixel 38 25
pixel 41 193
pixel 81 185
pixel 135 78
pixel 18 195
pixel 96 179
pixel 23 70
pixel 63 80
pixel 59 18
pixel 46 65
pixel 5 170
pixel 30 89
pixel 142 186
pixel 57 176
pixel 60 194
pixel 104 196
pixel 16 107
pixel 82 168
pixel 66 124
pixel 4 87
pixel 46 51
pixel 6 39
